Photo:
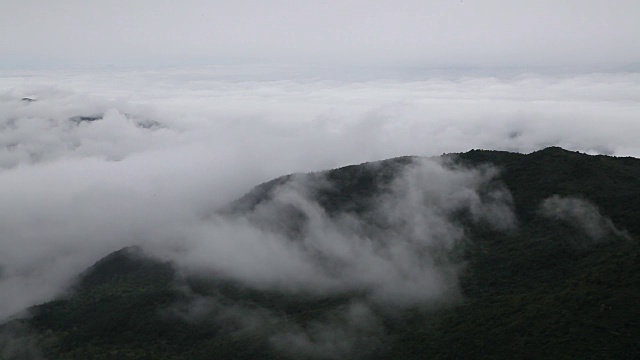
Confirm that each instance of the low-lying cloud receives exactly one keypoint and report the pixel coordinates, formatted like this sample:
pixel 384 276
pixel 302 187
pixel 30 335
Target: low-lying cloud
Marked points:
pixel 399 253
pixel 17 341
pixel 104 160
pixel 352 330
pixel 328 122
pixel 582 215
pixel 396 253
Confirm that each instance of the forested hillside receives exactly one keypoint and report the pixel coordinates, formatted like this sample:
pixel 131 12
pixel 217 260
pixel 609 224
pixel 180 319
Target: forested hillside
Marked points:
pixel 559 280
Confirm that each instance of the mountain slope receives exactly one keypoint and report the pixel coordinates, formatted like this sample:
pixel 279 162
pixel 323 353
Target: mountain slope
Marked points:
pixel 548 289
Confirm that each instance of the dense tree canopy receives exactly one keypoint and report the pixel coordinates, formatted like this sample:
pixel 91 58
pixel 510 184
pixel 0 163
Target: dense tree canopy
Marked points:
pixel 539 291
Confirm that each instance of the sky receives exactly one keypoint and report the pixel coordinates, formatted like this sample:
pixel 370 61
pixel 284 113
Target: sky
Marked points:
pixel 350 33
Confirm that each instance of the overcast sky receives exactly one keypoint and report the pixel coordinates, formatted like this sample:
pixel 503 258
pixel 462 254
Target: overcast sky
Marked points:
pixel 409 33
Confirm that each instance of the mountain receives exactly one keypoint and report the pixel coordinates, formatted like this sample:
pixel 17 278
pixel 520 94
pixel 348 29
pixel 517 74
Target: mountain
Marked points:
pixel 564 282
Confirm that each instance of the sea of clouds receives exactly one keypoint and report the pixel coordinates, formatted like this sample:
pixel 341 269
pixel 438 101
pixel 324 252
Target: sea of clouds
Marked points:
pixel 110 158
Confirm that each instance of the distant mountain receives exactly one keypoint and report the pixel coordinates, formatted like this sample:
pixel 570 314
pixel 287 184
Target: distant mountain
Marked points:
pixel 565 283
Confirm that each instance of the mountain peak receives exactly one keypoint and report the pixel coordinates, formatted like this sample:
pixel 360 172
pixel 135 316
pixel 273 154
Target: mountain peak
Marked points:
pixel 119 264
pixel 555 150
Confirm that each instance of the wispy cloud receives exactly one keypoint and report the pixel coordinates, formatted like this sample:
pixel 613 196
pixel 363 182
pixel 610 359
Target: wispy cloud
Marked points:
pixel 583 215
pixel 168 147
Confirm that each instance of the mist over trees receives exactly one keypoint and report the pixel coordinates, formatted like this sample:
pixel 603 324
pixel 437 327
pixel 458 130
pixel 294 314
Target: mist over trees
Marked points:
pixel 476 254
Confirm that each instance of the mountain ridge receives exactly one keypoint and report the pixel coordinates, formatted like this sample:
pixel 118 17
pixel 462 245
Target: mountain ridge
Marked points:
pixel 543 290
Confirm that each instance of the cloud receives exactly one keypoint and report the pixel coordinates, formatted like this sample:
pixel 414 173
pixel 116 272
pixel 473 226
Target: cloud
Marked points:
pixel 399 253
pixel 351 330
pixel 346 122
pixel 168 148
pixel 402 260
pixel 18 342
pixel 583 215
pixel 354 331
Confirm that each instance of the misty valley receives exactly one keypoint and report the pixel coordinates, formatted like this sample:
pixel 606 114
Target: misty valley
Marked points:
pixel 483 254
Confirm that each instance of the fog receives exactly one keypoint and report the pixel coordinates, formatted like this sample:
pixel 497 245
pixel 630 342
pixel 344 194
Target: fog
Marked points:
pixel 396 254
pixel 102 160
pixel 18 342
pixel 583 215
pixel 403 252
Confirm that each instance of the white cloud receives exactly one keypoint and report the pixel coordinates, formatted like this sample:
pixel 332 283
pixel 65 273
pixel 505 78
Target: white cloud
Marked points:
pixel 583 215
pixel 72 192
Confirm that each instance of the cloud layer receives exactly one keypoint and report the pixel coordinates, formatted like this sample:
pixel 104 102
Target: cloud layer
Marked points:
pixel 403 260
pixel 104 160
pixel 403 251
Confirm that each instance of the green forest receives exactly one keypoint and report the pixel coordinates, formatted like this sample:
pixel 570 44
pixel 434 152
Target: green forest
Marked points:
pixel 543 290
